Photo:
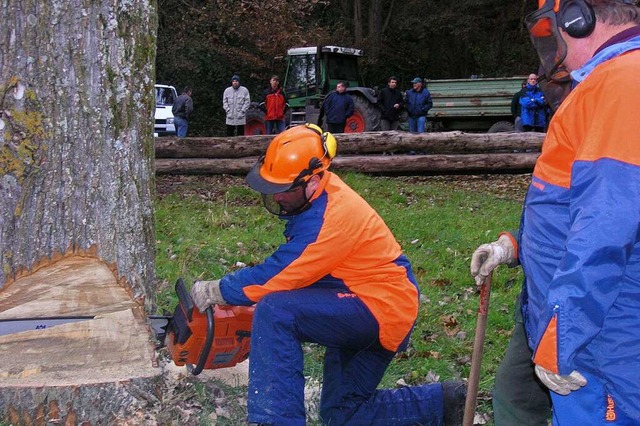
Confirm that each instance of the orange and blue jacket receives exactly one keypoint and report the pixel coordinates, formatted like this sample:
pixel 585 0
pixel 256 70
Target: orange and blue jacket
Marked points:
pixel 338 241
pixel 579 242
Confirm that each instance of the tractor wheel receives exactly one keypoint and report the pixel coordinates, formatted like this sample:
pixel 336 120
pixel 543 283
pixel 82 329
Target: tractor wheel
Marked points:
pixel 501 127
pixel 365 118
pixel 255 122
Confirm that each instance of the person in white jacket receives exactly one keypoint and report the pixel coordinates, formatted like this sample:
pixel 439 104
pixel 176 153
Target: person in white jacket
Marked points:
pixel 235 102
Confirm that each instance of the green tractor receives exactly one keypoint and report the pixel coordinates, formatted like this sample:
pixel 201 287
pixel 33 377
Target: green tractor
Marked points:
pixel 312 73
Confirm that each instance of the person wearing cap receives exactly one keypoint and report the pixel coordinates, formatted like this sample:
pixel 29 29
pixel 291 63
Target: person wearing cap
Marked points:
pixel 418 103
pixel 341 281
pixel 579 237
pixel 235 101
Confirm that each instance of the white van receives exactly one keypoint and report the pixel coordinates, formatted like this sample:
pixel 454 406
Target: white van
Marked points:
pixel 165 97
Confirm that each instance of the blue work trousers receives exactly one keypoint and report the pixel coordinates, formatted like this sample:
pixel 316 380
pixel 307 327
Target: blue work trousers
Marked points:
pixel 274 126
pixel 353 366
pixel 417 124
pixel 182 126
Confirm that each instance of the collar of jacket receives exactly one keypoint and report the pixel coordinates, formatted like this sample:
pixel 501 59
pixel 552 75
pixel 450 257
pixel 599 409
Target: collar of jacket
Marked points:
pixel 604 55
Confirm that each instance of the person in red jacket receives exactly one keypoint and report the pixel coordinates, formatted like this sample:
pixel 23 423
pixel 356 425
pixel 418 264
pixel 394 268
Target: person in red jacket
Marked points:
pixel 340 280
pixel 274 104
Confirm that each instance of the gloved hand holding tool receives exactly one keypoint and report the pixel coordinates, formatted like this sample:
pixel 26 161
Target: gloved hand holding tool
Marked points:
pixel 206 293
pixel 488 256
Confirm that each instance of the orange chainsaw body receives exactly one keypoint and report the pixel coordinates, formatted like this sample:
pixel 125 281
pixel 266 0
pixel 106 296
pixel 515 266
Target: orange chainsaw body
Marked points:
pixel 187 333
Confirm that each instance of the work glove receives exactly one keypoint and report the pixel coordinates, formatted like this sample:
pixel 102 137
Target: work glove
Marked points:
pixel 562 385
pixel 206 293
pixel 488 256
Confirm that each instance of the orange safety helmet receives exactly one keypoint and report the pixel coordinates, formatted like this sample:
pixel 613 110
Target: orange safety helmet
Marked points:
pixel 292 158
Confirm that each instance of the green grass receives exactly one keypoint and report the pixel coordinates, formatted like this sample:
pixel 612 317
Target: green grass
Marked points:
pixel 209 225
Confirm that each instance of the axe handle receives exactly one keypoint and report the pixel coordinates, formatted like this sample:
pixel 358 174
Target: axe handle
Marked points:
pixel 476 358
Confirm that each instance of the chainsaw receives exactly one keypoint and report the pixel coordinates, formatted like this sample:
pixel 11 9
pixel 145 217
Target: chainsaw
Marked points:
pixel 218 338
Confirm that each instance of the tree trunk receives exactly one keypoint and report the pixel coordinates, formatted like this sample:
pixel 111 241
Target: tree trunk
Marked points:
pixel 357 21
pixel 357 143
pixel 379 164
pixel 374 35
pixel 76 175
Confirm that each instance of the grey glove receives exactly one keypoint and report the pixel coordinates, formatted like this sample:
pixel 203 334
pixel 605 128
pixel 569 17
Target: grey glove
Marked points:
pixel 488 256
pixel 561 384
pixel 206 293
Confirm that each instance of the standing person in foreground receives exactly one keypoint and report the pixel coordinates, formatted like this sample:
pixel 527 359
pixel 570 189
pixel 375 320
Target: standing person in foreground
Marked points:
pixel 342 281
pixel 181 110
pixel 236 101
pixel 390 101
pixel 337 106
pixel 579 243
pixel 274 105
pixel 418 103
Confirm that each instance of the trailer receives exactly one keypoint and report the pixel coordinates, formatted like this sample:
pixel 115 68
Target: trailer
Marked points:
pixel 473 104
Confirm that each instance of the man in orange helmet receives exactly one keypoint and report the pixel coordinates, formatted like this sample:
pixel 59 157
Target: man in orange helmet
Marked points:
pixel 579 241
pixel 341 281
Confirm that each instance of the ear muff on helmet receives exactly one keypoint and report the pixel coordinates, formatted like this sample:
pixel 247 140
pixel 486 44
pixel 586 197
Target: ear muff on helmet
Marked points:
pixel 329 143
pixel 292 158
pixel 577 18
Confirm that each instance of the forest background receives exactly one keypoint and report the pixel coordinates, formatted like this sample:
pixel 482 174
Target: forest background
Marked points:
pixel 202 43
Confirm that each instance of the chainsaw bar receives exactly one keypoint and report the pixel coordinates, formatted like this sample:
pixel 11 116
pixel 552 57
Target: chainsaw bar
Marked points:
pixel 10 326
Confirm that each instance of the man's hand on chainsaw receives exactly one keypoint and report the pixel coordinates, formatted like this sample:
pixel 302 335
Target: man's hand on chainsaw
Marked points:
pixel 488 256
pixel 206 293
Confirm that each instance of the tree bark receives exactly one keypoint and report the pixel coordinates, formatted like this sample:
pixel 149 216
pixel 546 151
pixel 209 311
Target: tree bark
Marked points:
pixel 76 175
pixel 357 143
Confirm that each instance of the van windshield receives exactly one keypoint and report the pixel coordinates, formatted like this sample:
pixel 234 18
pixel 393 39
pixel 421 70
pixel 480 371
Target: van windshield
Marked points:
pixel 164 96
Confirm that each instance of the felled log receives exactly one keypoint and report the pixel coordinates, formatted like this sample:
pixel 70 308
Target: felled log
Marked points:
pixel 357 143
pixel 380 164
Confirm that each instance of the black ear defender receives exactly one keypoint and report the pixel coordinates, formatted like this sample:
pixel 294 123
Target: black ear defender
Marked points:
pixel 577 18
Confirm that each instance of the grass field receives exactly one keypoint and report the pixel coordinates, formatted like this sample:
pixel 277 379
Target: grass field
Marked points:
pixel 209 226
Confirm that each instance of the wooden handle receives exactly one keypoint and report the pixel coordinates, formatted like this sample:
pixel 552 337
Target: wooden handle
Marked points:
pixel 476 358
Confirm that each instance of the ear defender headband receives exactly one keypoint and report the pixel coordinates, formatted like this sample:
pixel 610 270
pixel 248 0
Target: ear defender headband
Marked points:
pixel 577 18
pixel 329 143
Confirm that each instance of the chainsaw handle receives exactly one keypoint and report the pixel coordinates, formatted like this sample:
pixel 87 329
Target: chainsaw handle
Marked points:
pixel 204 354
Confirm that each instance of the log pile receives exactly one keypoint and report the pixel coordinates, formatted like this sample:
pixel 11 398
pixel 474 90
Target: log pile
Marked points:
pixel 390 152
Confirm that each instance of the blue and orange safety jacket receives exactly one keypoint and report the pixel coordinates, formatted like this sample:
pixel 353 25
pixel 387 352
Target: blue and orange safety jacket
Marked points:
pixel 579 242
pixel 338 241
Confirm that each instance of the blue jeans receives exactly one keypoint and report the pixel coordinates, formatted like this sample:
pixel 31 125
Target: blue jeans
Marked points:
pixel 271 125
pixel 353 367
pixel 417 124
pixel 182 125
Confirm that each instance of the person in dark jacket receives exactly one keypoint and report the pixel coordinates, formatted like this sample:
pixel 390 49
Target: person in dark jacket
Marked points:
pixel 182 108
pixel 418 103
pixel 533 106
pixel 516 109
pixel 274 104
pixel 390 101
pixel 337 106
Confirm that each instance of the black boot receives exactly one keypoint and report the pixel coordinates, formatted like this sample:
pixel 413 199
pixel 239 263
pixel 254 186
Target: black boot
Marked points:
pixel 454 395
